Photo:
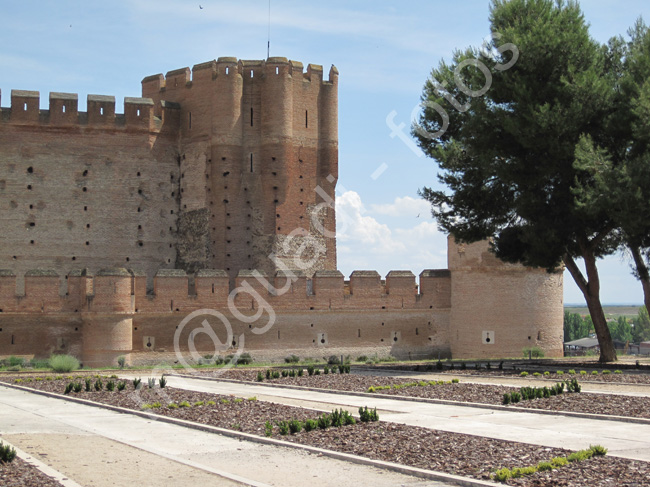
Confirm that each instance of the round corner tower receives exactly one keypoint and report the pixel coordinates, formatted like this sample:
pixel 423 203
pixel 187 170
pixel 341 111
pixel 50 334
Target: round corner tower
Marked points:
pixel 498 309
pixel 108 321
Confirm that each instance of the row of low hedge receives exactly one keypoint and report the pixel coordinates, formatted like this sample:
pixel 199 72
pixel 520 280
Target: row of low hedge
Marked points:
pixel 505 473
pixel 337 418
pixel 421 383
pixel 531 393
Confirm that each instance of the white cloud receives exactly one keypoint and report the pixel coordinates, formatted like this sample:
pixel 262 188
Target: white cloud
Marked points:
pixel 366 243
pixel 404 207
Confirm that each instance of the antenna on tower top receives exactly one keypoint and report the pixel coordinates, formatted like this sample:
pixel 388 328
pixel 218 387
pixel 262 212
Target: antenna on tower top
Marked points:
pixel 268 43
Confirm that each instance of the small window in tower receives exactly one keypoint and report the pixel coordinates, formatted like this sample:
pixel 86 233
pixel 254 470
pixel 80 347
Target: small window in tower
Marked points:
pixel 227 70
pixel 251 162
pixel 25 107
pixel 306 119
pixel 63 108
pixel 101 111
pixel 277 70
pixel 138 112
pixel 251 116
pixel 252 73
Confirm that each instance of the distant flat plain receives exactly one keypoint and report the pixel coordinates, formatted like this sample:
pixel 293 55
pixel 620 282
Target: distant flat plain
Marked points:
pixel 612 311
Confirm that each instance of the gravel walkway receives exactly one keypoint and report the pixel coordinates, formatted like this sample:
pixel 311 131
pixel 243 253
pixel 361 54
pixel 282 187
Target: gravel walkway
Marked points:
pixel 454 453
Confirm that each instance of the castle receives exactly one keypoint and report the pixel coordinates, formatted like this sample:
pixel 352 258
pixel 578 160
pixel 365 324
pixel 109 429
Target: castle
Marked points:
pixel 214 192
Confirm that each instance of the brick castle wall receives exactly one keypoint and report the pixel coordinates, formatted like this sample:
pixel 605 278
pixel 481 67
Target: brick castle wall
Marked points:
pixel 233 166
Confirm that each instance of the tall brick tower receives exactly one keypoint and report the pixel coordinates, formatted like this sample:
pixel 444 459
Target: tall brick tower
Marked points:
pixel 258 157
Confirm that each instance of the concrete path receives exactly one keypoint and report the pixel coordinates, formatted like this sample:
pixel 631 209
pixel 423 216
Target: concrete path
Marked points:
pixel 101 448
pixel 626 440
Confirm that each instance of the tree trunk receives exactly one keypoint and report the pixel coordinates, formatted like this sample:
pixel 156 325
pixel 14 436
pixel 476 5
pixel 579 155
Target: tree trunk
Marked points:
pixel 642 273
pixel 591 291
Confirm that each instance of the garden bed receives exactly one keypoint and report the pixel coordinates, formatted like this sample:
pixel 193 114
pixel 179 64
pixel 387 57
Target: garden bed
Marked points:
pixel 459 454
pixel 584 402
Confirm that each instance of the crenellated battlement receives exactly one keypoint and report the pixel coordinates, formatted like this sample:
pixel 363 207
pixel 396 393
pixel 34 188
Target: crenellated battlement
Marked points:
pixel 119 290
pixel 246 70
pixel 101 112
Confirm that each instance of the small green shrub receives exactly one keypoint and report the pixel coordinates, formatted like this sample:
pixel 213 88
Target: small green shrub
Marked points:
pixel 536 374
pixel 559 462
pixel 7 453
pixel 295 426
pixel 260 377
pixel 237 400
pixel 285 373
pixel 324 421
pixel 110 386
pixel 607 372
pixel 224 401
pixel 560 372
pixel 89 383
pixel 618 371
pixel 502 475
pixel 252 399
pixel 520 472
pixel 524 374
pixel 210 403
pixel 362 358
pixel 594 372
pixel 579 456
pixel 572 371
pixel 333 360
pixel 137 384
pixel 463 366
pixel 268 428
pixel 316 371
pixel 455 381
pixel 544 466
pixel 506 399
pixel 292 359
pixel 199 403
pixel 63 363
pixel 77 387
pixel 268 373
pixel 598 450
pixel 310 425
pixel 292 373
pixel 184 404
pixel 151 382
pixel 275 374
pixel 162 382
pixel 326 370
pixel 121 361
pixel 533 352
pixel 367 415
pixel 301 372
pixel 283 426
pixel 515 397
pixel 121 386
pixel 68 388
pixel 99 385
pixel 547 373
pixel 172 405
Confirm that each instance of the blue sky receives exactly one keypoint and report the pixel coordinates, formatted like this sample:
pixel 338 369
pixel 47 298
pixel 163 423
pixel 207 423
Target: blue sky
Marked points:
pixel 384 51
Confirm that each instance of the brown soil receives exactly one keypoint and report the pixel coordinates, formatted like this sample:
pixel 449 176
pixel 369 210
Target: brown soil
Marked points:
pixel 21 474
pixel 454 453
